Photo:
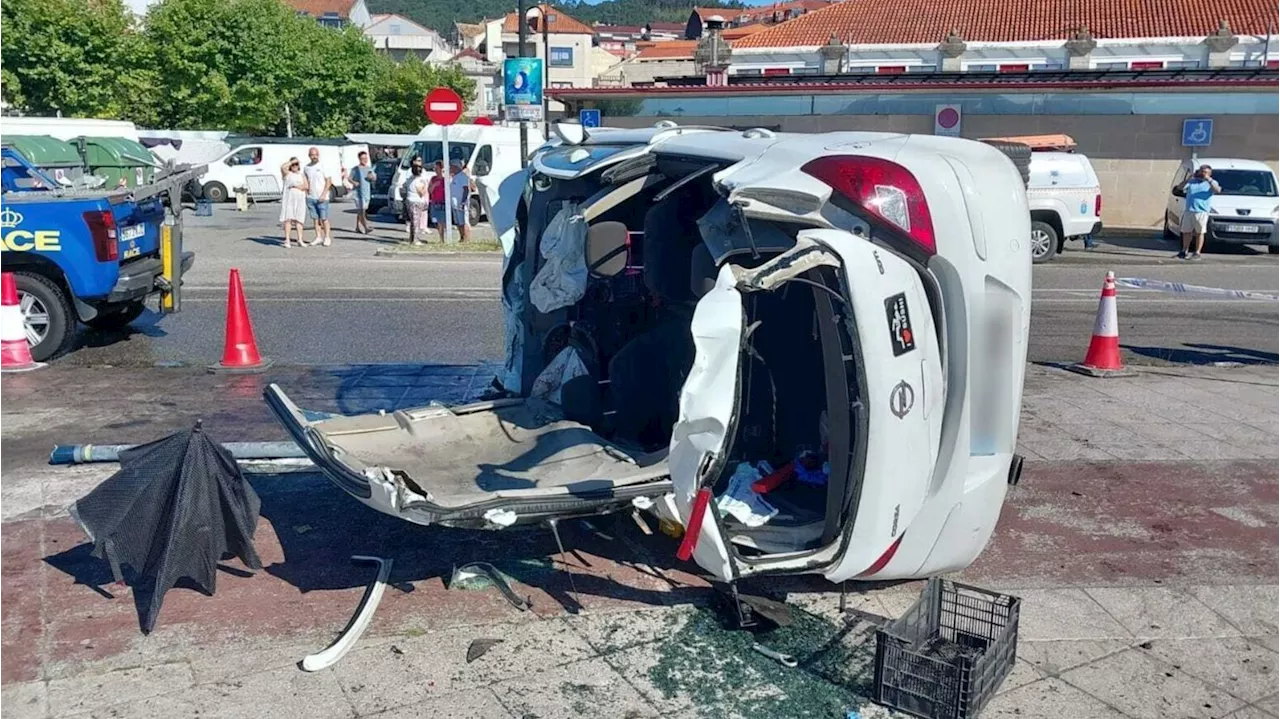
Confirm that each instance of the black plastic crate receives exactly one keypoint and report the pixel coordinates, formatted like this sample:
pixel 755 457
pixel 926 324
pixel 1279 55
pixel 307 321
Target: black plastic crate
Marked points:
pixel 946 657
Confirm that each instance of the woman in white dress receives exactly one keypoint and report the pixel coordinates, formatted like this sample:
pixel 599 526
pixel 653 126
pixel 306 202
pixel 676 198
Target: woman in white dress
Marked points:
pixel 293 203
pixel 416 198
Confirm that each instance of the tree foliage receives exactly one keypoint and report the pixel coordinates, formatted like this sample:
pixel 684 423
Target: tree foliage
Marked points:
pixel 246 66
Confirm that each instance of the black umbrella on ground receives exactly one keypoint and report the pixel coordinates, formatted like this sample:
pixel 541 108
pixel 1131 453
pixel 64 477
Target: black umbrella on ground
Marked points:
pixel 176 507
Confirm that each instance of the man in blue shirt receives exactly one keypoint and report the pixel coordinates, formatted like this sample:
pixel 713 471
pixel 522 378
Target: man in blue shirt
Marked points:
pixel 1199 189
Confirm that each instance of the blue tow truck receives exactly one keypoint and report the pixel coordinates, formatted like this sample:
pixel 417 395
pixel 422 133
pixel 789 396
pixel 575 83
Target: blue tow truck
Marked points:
pixel 93 256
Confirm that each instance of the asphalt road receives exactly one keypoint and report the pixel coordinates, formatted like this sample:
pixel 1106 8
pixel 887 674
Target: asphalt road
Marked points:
pixel 345 304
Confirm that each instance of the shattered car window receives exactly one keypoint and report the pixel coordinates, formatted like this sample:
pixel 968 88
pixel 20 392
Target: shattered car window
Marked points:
pixel 727 232
pixel 576 158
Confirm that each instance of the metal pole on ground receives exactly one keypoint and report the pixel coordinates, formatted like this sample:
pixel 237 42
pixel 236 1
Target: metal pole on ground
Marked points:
pixel 448 180
pixel 524 126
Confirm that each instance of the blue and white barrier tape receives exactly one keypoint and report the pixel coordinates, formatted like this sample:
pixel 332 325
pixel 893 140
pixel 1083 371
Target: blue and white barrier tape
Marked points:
pixel 1139 283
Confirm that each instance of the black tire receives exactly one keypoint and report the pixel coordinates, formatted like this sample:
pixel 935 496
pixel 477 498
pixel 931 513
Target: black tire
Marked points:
pixel 215 192
pixel 473 211
pixel 60 329
pixel 1018 153
pixel 1044 242
pixel 115 319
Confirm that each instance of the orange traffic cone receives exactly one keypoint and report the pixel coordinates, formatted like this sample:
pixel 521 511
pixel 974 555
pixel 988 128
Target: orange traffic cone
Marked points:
pixel 240 353
pixel 1103 357
pixel 15 353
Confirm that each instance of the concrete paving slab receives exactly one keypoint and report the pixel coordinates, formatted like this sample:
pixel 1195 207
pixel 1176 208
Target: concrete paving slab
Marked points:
pixel 92 692
pixel 1143 687
pixel 1271 704
pixel 589 688
pixel 1054 657
pixel 1250 712
pixel 25 700
pixel 1057 614
pixel 481 704
pixel 1163 612
pixel 1250 607
pixel 1049 698
pixel 1232 664
pixel 405 670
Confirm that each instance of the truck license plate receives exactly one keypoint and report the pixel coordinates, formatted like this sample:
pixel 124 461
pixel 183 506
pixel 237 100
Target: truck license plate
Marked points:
pixel 132 232
pixel 1241 228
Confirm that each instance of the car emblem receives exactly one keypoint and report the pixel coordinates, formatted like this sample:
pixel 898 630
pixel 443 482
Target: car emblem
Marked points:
pixel 901 399
pixel 901 336
pixel 1242 212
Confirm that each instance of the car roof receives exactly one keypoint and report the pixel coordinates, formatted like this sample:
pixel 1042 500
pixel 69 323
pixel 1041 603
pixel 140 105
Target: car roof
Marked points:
pixel 1231 163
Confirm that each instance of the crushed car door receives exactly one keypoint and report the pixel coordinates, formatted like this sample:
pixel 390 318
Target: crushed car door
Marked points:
pixel 486 464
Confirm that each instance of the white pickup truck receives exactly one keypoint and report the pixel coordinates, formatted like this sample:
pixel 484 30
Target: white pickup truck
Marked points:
pixel 687 307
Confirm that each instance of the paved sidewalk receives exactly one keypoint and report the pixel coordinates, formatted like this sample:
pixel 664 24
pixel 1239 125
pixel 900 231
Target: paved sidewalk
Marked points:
pixel 1142 541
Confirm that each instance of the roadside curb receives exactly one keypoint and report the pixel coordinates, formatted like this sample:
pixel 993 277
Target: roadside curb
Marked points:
pixel 428 254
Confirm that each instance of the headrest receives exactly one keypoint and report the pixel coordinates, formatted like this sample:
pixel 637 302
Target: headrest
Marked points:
pixel 606 248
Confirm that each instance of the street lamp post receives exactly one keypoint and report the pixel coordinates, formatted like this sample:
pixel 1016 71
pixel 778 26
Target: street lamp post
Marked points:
pixel 542 13
pixel 523 34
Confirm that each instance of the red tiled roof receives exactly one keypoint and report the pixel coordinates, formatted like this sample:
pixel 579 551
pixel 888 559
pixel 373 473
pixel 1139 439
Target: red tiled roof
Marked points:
pixel 317 8
pixel 735 33
pixel 766 13
pixel 669 50
pixel 868 22
pixel 469 52
pixel 560 22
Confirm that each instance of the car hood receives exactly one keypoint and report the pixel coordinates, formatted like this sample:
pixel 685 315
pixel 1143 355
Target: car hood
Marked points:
pixel 1252 206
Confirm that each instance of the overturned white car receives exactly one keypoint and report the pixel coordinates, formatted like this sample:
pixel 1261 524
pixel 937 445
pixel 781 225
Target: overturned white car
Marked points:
pixel 837 319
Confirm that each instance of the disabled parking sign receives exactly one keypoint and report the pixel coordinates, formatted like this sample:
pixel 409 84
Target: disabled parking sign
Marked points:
pixel 1197 132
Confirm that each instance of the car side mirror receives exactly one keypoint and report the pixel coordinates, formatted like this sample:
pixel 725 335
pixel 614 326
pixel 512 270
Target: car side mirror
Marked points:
pixel 482 169
pixel 1179 192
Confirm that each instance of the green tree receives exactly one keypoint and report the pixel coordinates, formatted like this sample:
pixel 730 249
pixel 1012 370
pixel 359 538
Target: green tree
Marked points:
pixel 399 91
pixel 79 57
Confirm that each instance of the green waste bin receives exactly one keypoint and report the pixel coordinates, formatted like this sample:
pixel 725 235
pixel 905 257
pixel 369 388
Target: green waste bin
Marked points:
pixel 121 161
pixel 59 159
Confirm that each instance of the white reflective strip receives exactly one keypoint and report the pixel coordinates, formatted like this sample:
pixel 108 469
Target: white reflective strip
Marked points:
pixel 1105 325
pixel 443 106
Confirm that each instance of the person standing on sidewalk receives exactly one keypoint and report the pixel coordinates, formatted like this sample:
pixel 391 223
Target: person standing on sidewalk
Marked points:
pixel 361 178
pixel 320 186
pixel 459 195
pixel 416 199
pixel 435 197
pixel 1199 190
pixel 293 200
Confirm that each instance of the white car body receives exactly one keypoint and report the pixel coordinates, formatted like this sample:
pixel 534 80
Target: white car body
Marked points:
pixel 1244 213
pixel 256 165
pixel 909 256
pixel 481 146
pixel 1065 198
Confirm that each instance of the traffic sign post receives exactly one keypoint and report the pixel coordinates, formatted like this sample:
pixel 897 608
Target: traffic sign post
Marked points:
pixel 444 107
pixel 1197 132
pixel 589 118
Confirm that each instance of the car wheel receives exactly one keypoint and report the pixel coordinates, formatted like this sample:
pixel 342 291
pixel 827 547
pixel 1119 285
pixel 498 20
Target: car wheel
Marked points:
pixel 473 211
pixel 215 192
pixel 1044 242
pixel 118 318
pixel 1018 153
pixel 46 316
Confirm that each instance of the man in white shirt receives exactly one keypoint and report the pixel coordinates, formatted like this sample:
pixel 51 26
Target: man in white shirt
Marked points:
pixel 319 184
pixel 459 193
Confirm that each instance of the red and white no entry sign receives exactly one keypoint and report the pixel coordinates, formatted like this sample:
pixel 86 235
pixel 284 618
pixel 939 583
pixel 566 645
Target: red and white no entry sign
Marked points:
pixel 443 106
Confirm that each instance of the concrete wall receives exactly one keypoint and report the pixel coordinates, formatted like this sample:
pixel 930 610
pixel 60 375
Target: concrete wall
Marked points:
pixel 1134 155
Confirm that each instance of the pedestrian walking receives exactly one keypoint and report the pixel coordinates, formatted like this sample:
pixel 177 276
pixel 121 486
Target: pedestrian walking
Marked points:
pixel 318 188
pixel 293 200
pixel 459 196
pixel 361 178
pixel 416 198
pixel 1199 190
pixel 435 196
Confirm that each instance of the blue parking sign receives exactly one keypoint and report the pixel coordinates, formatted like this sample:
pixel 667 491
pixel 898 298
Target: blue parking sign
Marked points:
pixel 1197 132
pixel 589 118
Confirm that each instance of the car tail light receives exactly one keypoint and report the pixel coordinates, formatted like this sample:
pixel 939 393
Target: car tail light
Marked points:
pixel 884 558
pixel 1097 205
pixel 102 227
pixel 883 188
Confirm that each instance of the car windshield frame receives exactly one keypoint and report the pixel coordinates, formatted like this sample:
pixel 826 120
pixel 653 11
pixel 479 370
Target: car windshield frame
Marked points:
pixel 431 152
pixel 1232 181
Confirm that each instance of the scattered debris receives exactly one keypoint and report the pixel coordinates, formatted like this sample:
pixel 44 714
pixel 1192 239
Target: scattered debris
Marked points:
pixel 359 622
pixel 464 578
pixel 479 647
pixel 175 508
pixel 302 528
pixel 397 650
pixel 785 660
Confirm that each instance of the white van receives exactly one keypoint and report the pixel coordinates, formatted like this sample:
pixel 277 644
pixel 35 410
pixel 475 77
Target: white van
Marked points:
pixel 1246 212
pixel 491 152
pixel 69 128
pixel 256 165
pixel 1065 198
